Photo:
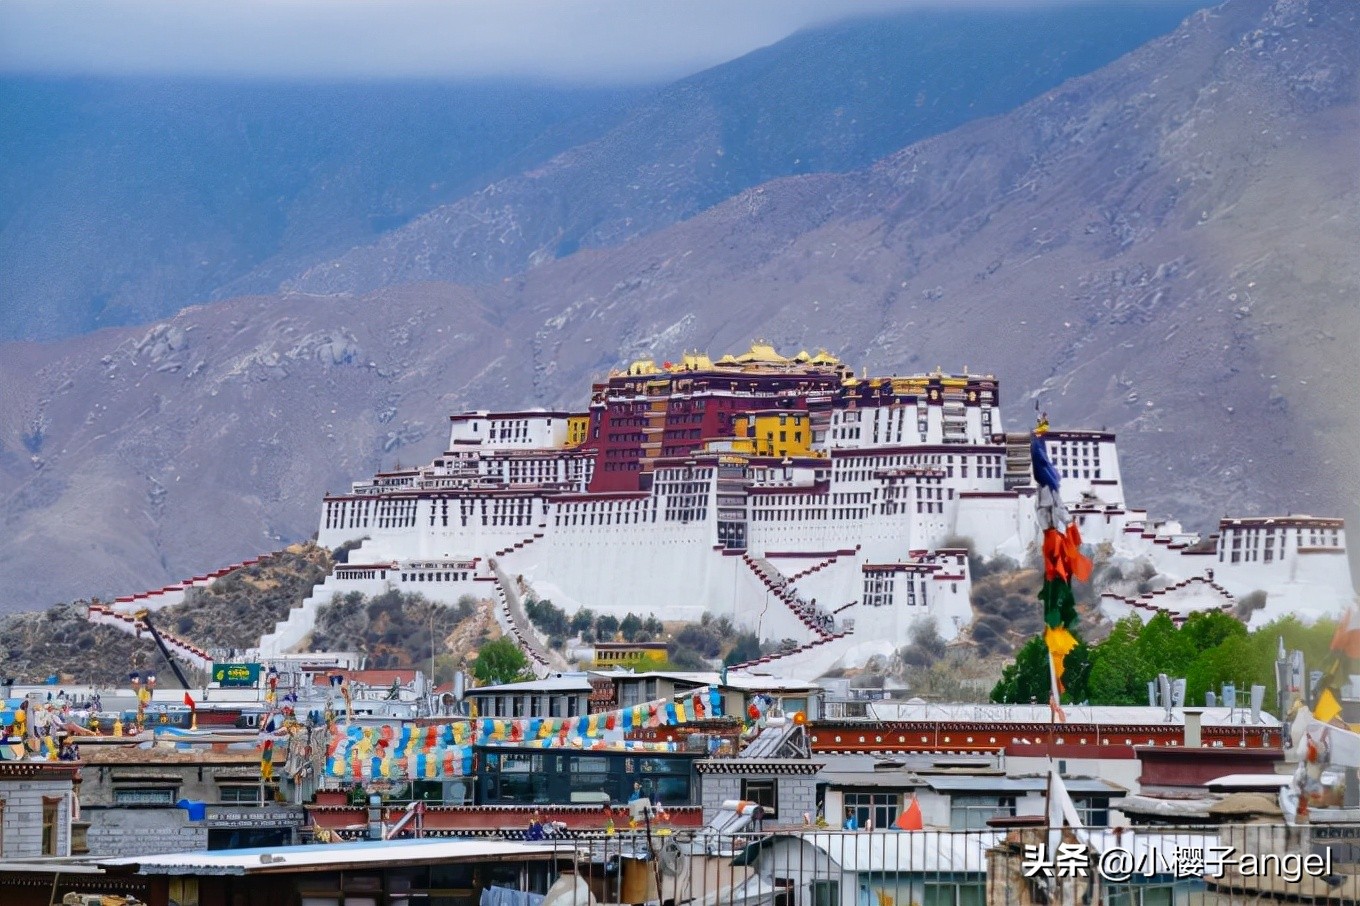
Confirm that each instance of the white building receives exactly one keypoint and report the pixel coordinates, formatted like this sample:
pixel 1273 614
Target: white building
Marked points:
pixel 804 503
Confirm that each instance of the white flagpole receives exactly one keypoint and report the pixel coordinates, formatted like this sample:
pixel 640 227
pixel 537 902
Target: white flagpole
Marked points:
pixel 1054 699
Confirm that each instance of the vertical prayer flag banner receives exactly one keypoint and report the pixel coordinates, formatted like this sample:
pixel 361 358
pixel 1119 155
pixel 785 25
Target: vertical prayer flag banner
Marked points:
pixel 410 752
pixel 1345 652
pixel 1063 560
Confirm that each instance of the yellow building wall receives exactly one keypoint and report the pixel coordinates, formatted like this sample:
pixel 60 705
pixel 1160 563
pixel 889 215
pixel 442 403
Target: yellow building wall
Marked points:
pixel 578 430
pixel 638 658
pixel 773 434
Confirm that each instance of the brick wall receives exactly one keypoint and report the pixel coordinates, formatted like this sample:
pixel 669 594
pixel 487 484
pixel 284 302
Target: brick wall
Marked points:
pixel 21 834
pixel 797 794
pixel 134 832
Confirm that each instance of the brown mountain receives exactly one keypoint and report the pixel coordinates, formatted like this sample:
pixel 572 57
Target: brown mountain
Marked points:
pixel 1164 247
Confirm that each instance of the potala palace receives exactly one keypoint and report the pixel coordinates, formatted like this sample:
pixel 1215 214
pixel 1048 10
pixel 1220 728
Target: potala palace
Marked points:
pixel 803 502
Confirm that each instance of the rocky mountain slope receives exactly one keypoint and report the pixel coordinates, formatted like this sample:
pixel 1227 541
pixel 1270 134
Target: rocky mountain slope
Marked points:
pixel 1163 247
pixel 826 100
pixel 123 200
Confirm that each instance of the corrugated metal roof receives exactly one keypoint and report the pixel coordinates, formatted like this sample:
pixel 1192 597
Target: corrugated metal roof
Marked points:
pixel 328 857
pixel 784 740
pixel 888 851
pixel 888 780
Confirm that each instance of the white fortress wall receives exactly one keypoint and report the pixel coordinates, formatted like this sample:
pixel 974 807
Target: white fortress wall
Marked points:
pixel 658 568
pixel 529 430
pixel 995 522
pixel 833 585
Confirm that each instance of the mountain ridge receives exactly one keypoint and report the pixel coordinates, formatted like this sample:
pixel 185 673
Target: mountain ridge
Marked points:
pixel 739 123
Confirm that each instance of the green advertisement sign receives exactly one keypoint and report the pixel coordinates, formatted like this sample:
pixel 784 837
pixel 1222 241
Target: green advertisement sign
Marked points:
pixel 236 674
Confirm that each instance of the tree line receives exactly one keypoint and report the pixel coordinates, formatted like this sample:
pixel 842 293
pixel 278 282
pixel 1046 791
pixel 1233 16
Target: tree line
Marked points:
pixel 1209 650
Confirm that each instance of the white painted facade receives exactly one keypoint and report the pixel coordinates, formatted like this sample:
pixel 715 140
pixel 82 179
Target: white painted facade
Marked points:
pixel 535 429
pixel 849 536
pixel 794 548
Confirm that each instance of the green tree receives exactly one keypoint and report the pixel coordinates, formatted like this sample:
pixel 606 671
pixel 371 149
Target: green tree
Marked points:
pixel 1028 678
pixel 1025 679
pixel 1210 628
pixel 583 620
pixel 746 648
pixel 549 619
pixel 703 638
pixel 681 658
pixel 631 627
pixel 499 662
pixel 1161 648
pixel 1077 675
pixel 606 627
pixel 1235 661
pixel 1117 672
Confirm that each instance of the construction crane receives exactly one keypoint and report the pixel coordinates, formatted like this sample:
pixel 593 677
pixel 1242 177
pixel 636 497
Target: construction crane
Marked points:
pixel 143 616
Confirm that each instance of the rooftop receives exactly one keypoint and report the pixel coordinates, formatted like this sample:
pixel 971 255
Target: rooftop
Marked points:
pixel 744 682
pixel 1103 715
pixel 330 857
pixel 557 682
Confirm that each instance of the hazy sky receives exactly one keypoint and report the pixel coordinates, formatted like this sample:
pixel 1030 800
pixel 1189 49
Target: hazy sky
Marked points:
pixel 593 40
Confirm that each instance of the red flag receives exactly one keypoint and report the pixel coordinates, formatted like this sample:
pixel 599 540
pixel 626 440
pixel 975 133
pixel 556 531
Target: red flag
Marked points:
pixel 189 700
pixel 910 819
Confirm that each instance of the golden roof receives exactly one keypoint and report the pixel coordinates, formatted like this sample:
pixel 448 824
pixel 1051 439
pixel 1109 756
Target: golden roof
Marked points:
pixel 761 351
pixel 696 361
pixel 643 366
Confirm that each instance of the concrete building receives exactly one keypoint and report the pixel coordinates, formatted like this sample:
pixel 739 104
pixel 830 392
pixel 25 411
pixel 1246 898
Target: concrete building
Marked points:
pixel 38 808
pixel 170 800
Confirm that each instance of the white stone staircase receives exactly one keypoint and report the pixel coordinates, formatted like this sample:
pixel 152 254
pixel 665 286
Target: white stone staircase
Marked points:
pixel 189 653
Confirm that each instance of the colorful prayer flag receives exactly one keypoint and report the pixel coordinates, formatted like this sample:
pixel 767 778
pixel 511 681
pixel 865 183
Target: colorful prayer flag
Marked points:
pixel 1063 560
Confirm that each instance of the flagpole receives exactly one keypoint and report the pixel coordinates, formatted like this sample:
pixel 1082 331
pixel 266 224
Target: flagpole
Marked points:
pixel 1053 702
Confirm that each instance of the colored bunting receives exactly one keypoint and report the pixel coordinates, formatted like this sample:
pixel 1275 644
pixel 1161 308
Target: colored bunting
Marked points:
pixel 431 752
